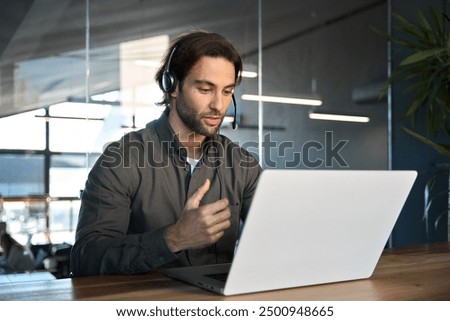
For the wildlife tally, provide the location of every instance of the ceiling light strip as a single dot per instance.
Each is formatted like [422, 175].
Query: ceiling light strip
[283, 100]
[339, 117]
[249, 74]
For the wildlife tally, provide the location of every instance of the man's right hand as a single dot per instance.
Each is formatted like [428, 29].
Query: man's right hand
[199, 226]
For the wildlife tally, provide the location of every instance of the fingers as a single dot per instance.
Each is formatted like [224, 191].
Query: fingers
[196, 198]
[215, 232]
[216, 207]
[194, 201]
[197, 229]
[213, 220]
[220, 226]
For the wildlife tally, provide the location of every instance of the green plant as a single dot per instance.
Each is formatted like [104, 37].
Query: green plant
[427, 70]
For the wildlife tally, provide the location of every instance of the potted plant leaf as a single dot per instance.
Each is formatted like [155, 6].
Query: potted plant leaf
[427, 69]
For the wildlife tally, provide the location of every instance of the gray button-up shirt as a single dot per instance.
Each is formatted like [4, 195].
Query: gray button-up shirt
[139, 186]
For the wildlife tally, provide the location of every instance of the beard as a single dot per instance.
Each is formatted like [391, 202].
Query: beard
[193, 120]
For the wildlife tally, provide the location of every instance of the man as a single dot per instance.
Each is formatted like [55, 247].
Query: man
[176, 192]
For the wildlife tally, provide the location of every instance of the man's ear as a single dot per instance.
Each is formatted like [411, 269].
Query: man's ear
[174, 94]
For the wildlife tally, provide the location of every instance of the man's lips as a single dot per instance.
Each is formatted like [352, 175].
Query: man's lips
[213, 120]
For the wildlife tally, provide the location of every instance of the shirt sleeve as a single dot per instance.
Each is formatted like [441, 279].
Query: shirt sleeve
[102, 245]
[252, 173]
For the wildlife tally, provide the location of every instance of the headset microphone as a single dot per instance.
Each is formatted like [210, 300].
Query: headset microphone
[234, 123]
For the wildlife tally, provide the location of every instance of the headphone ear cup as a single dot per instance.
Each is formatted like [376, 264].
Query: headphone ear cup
[168, 81]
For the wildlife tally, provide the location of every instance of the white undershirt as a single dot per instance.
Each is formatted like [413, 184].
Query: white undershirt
[193, 162]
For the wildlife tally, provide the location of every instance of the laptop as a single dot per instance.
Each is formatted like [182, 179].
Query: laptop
[309, 227]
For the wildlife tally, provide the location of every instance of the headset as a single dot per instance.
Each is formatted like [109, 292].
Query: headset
[169, 80]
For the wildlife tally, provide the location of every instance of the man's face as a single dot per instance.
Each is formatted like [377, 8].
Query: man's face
[205, 95]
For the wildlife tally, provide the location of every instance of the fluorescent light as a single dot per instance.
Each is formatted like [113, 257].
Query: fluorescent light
[339, 117]
[48, 118]
[110, 96]
[283, 100]
[227, 120]
[249, 74]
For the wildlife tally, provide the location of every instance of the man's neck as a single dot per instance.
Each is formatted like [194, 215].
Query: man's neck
[192, 142]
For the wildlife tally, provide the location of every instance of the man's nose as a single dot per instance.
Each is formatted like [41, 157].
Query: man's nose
[218, 102]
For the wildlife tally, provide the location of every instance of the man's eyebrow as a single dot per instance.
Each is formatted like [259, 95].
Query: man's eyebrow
[209, 83]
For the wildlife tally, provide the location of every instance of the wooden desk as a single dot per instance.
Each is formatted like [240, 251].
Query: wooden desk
[413, 273]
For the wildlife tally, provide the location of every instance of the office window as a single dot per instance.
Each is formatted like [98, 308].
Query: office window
[24, 131]
[62, 221]
[68, 173]
[21, 175]
[41, 220]
[24, 218]
[76, 127]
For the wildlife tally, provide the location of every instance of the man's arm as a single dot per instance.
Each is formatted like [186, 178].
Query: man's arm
[102, 245]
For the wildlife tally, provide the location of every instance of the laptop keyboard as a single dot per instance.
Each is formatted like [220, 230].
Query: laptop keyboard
[218, 276]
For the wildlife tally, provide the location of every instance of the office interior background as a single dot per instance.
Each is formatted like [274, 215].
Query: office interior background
[78, 74]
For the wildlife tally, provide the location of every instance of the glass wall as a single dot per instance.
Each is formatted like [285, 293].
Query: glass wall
[76, 79]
